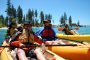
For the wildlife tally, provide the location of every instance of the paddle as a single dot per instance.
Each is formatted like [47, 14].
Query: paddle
[60, 28]
[41, 45]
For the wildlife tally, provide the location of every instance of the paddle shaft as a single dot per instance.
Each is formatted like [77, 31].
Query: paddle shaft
[41, 45]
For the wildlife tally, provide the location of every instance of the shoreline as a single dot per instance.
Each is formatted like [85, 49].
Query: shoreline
[4, 28]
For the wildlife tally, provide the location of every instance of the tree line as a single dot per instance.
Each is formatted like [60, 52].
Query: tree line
[16, 15]
[64, 20]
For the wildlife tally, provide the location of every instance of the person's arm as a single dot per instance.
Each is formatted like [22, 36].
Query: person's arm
[54, 34]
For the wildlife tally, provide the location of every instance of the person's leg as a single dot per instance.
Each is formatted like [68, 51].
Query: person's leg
[57, 42]
[21, 54]
[39, 54]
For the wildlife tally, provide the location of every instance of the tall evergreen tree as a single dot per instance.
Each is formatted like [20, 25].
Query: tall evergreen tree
[29, 15]
[49, 16]
[33, 17]
[6, 21]
[13, 12]
[2, 23]
[9, 10]
[78, 23]
[70, 21]
[36, 14]
[65, 17]
[46, 16]
[36, 21]
[41, 17]
[33, 13]
[62, 20]
[19, 14]
[24, 19]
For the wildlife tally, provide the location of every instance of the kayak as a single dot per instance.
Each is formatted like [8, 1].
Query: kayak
[71, 53]
[74, 37]
[6, 55]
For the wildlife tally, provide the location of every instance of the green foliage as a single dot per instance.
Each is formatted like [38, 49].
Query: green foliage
[48, 16]
[29, 15]
[41, 17]
[24, 18]
[13, 12]
[19, 14]
[65, 16]
[62, 20]
[36, 13]
[78, 23]
[2, 22]
[70, 21]
[6, 21]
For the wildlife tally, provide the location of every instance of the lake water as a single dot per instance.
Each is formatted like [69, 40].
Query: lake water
[82, 30]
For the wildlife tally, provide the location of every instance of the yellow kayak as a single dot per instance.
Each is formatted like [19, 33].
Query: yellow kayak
[6, 55]
[71, 53]
[74, 37]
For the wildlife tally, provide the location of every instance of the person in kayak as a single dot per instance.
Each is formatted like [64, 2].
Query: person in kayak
[47, 33]
[68, 31]
[26, 38]
[11, 29]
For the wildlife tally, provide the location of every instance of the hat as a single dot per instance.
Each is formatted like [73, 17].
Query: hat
[45, 21]
[27, 22]
[12, 24]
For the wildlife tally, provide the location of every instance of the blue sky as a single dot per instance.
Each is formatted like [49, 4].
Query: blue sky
[78, 9]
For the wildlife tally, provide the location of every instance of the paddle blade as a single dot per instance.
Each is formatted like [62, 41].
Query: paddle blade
[77, 28]
[60, 29]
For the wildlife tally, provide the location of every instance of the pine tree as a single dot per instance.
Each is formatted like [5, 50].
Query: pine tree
[62, 20]
[41, 17]
[6, 21]
[36, 13]
[46, 16]
[29, 15]
[36, 21]
[33, 17]
[9, 10]
[2, 23]
[78, 23]
[65, 18]
[24, 19]
[70, 21]
[19, 14]
[13, 12]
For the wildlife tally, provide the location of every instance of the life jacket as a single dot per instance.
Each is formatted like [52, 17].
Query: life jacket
[47, 33]
[24, 38]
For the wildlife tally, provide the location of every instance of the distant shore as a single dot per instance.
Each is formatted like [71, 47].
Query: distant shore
[4, 28]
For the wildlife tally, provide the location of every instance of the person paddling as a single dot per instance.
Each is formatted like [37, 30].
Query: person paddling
[68, 31]
[47, 33]
[11, 29]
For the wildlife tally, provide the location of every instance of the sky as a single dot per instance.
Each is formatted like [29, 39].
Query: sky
[78, 9]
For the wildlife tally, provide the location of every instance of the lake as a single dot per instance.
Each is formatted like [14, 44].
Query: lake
[82, 30]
